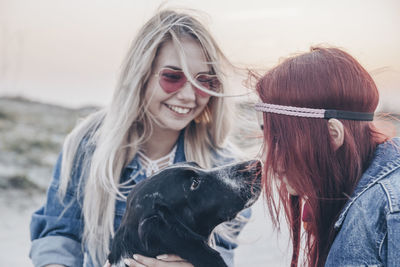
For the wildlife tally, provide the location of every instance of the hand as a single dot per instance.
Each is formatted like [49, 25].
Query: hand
[107, 264]
[161, 261]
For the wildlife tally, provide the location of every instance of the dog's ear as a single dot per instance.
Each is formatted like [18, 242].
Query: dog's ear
[152, 227]
[148, 231]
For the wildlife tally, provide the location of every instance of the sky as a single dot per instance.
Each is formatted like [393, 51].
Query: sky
[69, 52]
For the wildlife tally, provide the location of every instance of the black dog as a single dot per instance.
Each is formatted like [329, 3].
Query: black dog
[175, 211]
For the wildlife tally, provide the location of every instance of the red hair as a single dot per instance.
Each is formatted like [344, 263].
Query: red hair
[300, 149]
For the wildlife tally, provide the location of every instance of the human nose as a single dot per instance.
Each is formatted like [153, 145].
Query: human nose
[187, 92]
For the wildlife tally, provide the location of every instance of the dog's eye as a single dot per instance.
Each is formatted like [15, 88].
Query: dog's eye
[195, 184]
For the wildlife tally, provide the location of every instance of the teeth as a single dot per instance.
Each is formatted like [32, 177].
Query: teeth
[179, 110]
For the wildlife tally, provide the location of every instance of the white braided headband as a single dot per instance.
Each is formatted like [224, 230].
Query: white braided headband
[314, 112]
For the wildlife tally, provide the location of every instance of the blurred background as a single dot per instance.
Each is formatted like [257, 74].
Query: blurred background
[69, 52]
[60, 59]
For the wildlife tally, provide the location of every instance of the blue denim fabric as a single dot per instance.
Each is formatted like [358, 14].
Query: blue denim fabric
[369, 224]
[56, 233]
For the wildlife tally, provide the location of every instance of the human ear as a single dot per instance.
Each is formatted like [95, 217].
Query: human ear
[336, 131]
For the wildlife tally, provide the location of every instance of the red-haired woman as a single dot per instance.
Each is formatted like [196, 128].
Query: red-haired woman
[328, 162]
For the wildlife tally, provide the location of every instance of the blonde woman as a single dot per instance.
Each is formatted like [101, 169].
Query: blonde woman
[166, 109]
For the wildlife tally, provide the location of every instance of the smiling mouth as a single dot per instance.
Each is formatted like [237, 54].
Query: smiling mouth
[179, 110]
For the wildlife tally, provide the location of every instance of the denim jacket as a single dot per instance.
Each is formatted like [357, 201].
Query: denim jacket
[369, 224]
[56, 233]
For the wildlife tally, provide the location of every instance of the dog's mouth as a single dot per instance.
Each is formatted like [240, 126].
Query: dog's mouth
[253, 192]
[251, 201]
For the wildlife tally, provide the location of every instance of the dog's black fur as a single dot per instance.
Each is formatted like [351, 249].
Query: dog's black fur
[175, 211]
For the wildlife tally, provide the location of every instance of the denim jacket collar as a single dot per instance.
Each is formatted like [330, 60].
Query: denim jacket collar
[134, 164]
[382, 164]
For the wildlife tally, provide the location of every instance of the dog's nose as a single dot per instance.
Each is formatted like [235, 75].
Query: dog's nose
[248, 172]
[256, 165]
[253, 166]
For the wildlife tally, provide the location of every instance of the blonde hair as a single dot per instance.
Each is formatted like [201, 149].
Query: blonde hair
[117, 131]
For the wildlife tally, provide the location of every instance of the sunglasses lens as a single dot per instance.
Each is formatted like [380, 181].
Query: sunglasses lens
[171, 80]
[209, 82]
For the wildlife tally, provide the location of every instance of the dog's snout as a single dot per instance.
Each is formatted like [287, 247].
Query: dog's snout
[255, 165]
[252, 173]
[251, 170]
[244, 174]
